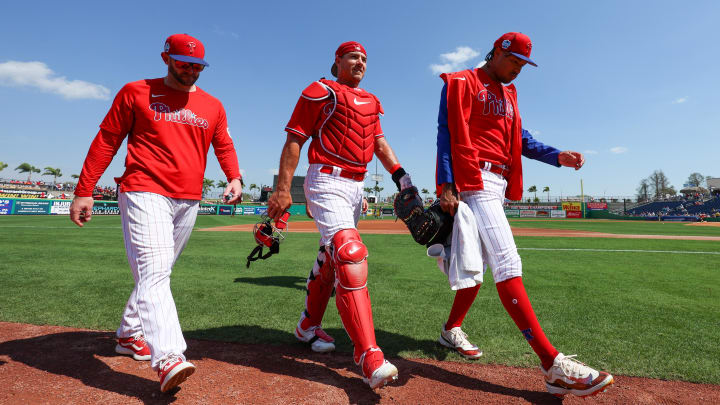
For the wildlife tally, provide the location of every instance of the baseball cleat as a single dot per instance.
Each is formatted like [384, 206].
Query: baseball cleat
[569, 376]
[135, 346]
[377, 372]
[319, 341]
[457, 340]
[173, 371]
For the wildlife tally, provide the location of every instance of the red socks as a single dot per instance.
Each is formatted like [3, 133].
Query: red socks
[464, 299]
[517, 304]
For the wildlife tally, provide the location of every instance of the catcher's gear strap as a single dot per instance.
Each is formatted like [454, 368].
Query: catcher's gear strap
[350, 256]
[268, 235]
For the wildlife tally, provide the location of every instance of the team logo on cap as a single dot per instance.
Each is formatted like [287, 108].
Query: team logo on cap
[191, 45]
[167, 46]
[505, 44]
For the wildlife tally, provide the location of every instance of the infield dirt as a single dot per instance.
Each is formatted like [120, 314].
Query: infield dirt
[58, 365]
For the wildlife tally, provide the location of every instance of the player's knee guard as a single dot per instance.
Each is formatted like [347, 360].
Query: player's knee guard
[349, 256]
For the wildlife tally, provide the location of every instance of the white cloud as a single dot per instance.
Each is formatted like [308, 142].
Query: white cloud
[590, 152]
[681, 100]
[273, 171]
[453, 60]
[40, 76]
[534, 132]
[242, 173]
[618, 149]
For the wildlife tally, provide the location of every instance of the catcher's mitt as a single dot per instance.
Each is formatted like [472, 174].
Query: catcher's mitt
[408, 204]
[431, 226]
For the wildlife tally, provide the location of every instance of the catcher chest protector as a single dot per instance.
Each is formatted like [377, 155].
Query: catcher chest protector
[268, 235]
[348, 132]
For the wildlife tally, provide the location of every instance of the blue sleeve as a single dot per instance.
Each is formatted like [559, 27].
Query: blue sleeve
[444, 159]
[534, 149]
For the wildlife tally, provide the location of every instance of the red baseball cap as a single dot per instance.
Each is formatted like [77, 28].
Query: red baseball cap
[517, 44]
[350, 46]
[185, 48]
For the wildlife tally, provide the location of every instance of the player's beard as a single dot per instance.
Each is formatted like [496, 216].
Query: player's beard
[184, 78]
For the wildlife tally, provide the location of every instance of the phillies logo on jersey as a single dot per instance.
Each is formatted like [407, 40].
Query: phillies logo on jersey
[495, 105]
[181, 116]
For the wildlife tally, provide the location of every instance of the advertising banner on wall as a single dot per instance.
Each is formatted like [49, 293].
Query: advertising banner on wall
[572, 206]
[542, 214]
[512, 213]
[106, 208]
[31, 207]
[557, 214]
[206, 209]
[527, 213]
[6, 206]
[248, 211]
[225, 210]
[60, 208]
[260, 210]
[574, 214]
[597, 206]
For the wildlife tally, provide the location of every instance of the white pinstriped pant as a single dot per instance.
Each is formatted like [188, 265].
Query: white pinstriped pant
[498, 245]
[156, 229]
[333, 201]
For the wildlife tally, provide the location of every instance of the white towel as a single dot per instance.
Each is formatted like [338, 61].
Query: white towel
[461, 261]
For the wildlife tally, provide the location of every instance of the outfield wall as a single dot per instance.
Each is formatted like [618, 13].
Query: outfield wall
[35, 206]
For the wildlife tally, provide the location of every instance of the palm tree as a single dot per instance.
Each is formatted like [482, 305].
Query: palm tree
[3, 165]
[367, 190]
[75, 176]
[252, 187]
[27, 168]
[221, 184]
[424, 192]
[55, 172]
[207, 185]
[547, 190]
[533, 189]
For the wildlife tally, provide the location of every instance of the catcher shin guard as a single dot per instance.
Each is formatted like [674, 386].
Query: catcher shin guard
[320, 286]
[352, 298]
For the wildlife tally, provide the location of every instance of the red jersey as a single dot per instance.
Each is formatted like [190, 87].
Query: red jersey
[494, 113]
[349, 118]
[170, 133]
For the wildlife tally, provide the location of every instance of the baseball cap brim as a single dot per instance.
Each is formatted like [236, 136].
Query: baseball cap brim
[189, 59]
[525, 58]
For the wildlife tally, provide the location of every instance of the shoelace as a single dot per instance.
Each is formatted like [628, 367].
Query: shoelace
[459, 337]
[171, 359]
[140, 338]
[570, 366]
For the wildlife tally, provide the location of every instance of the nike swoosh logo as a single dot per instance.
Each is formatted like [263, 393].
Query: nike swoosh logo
[360, 102]
[486, 84]
[459, 78]
[353, 250]
[157, 95]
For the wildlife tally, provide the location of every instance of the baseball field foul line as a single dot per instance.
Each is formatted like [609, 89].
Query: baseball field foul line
[623, 251]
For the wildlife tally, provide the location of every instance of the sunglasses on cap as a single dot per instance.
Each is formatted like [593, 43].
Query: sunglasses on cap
[187, 65]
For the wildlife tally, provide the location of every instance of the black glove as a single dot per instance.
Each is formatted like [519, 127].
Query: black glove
[431, 226]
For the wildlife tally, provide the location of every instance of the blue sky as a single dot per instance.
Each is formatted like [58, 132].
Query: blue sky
[632, 84]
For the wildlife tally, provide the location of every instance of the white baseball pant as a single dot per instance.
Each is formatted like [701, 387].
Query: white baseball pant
[333, 201]
[156, 229]
[498, 245]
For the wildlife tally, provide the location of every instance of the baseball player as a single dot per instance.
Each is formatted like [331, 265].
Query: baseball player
[480, 145]
[170, 124]
[343, 122]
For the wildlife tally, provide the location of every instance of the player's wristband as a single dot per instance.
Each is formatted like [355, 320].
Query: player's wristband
[397, 175]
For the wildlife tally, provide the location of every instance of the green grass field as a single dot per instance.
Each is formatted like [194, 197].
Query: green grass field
[635, 307]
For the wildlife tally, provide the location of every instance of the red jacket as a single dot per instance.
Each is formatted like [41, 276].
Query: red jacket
[462, 89]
